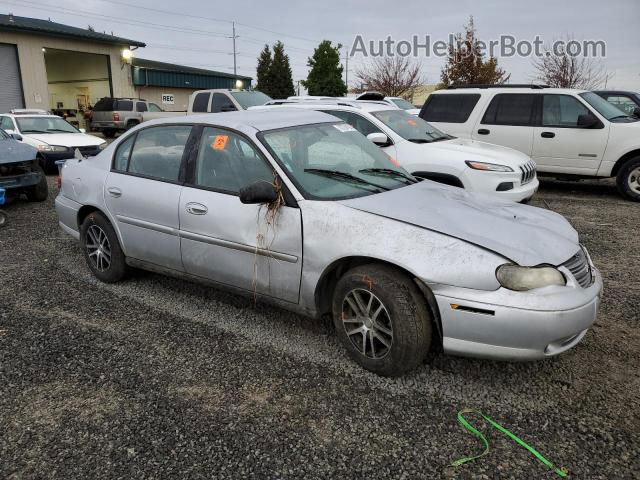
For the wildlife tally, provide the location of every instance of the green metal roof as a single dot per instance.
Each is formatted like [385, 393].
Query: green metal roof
[45, 27]
[159, 74]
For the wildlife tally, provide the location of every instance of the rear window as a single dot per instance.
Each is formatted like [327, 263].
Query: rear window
[104, 105]
[124, 106]
[201, 102]
[449, 108]
[511, 109]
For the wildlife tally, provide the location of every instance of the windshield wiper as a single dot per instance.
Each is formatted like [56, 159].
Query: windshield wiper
[59, 130]
[619, 116]
[440, 139]
[419, 140]
[34, 131]
[388, 171]
[345, 176]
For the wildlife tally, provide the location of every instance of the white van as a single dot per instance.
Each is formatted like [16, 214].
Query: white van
[568, 133]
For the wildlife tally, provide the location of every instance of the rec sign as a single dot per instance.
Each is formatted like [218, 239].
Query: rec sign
[168, 99]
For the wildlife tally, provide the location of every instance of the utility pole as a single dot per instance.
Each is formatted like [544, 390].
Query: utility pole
[234, 48]
[346, 69]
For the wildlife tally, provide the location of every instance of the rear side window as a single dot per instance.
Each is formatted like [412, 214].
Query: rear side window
[511, 109]
[449, 108]
[157, 152]
[201, 102]
[124, 106]
[121, 158]
[141, 107]
[222, 103]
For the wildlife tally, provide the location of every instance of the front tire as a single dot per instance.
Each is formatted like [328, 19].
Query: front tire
[382, 319]
[40, 191]
[628, 179]
[101, 247]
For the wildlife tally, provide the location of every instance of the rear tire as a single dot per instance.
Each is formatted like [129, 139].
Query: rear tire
[101, 248]
[628, 179]
[382, 319]
[109, 133]
[131, 124]
[3, 219]
[40, 191]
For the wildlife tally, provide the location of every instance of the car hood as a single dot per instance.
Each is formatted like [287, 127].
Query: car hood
[12, 151]
[526, 235]
[66, 139]
[481, 152]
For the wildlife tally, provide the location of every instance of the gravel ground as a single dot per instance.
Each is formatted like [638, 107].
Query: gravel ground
[159, 378]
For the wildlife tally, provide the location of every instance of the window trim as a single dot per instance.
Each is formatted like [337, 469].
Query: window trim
[541, 117]
[134, 135]
[534, 117]
[432, 96]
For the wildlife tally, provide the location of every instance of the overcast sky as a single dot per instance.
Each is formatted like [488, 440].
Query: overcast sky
[197, 32]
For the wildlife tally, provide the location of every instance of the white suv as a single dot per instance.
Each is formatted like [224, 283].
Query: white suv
[426, 152]
[568, 133]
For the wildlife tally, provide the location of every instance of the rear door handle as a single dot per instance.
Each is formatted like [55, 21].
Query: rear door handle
[114, 192]
[196, 208]
[483, 131]
[547, 134]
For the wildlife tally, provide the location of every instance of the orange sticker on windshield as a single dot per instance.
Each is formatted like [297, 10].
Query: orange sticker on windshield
[413, 123]
[394, 161]
[220, 142]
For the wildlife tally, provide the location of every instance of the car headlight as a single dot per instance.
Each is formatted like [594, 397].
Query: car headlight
[52, 148]
[520, 279]
[103, 145]
[489, 167]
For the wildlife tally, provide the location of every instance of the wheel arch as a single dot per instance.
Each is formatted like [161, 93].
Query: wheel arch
[623, 159]
[329, 278]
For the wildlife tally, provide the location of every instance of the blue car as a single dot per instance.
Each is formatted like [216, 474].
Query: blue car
[20, 171]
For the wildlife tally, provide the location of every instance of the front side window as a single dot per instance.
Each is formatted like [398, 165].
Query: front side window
[45, 125]
[410, 127]
[141, 107]
[154, 108]
[227, 162]
[4, 135]
[561, 111]
[402, 103]
[511, 109]
[157, 152]
[358, 122]
[201, 103]
[6, 123]
[250, 99]
[222, 103]
[449, 108]
[333, 161]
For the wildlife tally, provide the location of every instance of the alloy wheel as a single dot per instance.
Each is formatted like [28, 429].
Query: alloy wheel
[367, 323]
[98, 248]
[634, 180]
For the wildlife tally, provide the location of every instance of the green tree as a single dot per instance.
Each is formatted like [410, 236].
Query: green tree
[262, 70]
[280, 77]
[466, 64]
[325, 76]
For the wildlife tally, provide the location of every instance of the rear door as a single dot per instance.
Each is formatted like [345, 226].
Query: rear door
[508, 121]
[226, 241]
[142, 192]
[560, 145]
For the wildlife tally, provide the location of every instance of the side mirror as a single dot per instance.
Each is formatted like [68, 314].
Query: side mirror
[258, 192]
[588, 120]
[636, 112]
[82, 130]
[16, 136]
[379, 138]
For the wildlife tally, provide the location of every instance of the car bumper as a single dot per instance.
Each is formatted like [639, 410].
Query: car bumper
[67, 211]
[20, 181]
[508, 325]
[107, 125]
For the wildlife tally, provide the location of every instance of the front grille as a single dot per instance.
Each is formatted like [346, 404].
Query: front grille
[17, 168]
[527, 172]
[579, 267]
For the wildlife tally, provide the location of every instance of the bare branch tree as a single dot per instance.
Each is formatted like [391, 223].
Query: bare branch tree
[562, 70]
[391, 76]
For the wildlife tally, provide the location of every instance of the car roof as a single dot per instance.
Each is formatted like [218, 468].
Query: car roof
[360, 106]
[268, 118]
[30, 115]
[459, 90]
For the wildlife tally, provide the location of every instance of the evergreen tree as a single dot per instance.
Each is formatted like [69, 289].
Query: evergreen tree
[466, 64]
[325, 77]
[262, 71]
[280, 76]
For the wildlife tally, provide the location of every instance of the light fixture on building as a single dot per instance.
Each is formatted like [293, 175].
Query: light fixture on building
[127, 55]
[239, 83]
[44, 49]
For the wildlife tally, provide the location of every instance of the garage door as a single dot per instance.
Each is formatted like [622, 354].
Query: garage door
[10, 85]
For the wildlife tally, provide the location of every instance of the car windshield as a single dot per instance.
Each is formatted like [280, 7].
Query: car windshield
[44, 125]
[410, 127]
[402, 103]
[334, 161]
[603, 107]
[251, 99]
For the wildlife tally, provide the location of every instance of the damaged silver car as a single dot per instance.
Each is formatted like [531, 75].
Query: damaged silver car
[302, 210]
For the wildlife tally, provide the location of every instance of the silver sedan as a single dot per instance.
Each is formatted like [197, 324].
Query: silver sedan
[298, 208]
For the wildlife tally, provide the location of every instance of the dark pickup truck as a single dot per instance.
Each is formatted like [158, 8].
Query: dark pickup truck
[20, 171]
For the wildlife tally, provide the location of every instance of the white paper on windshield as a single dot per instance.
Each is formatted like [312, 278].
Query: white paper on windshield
[344, 127]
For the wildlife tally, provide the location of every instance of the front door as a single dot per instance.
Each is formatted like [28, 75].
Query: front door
[142, 192]
[246, 246]
[559, 145]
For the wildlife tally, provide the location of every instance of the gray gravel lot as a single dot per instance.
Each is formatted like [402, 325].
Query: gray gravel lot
[159, 378]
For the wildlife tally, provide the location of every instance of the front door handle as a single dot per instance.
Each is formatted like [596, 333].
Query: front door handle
[547, 134]
[114, 192]
[483, 131]
[196, 208]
